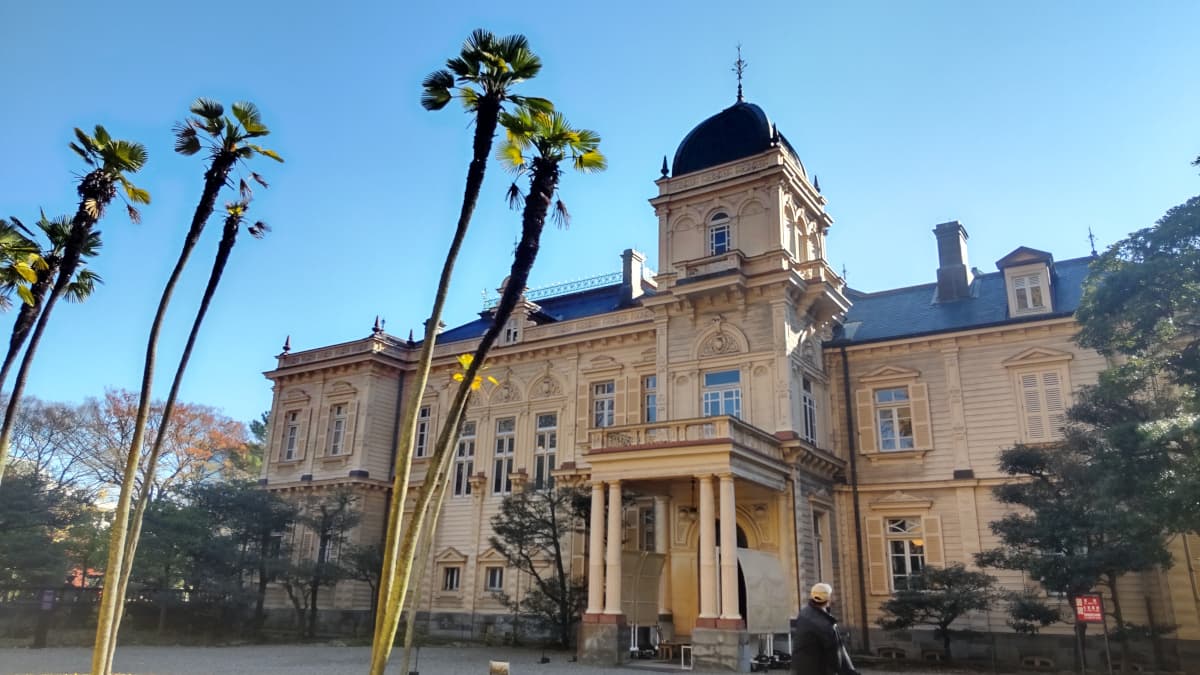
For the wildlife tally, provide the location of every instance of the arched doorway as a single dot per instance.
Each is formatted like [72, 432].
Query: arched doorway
[742, 542]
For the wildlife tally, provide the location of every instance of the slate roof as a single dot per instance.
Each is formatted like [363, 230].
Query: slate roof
[558, 308]
[912, 311]
[741, 130]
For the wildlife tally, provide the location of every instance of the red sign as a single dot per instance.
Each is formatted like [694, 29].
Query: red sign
[1089, 609]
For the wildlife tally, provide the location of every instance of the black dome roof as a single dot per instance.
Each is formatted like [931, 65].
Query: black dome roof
[741, 130]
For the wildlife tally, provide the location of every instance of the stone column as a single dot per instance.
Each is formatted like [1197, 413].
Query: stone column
[612, 561]
[708, 546]
[729, 584]
[595, 600]
[661, 519]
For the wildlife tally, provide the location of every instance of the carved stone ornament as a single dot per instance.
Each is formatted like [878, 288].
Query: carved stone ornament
[719, 343]
[507, 393]
[545, 388]
[809, 353]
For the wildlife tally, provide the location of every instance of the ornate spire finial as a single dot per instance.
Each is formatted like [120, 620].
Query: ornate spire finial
[410, 338]
[739, 67]
[1092, 239]
[287, 344]
[665, 171]
[816, 183]
[378, 328]
[843, 271]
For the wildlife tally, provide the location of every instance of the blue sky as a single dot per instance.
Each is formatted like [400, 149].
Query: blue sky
[1028, 121]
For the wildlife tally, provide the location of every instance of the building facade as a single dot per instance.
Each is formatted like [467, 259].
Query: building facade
[745, 424]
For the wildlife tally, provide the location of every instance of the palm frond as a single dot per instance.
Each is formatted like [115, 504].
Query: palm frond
[533, 103]
[469, 98]
[248, 114]
[125, 155]
[561, 216]
[464, 69]
[435, 90]
[102, 136]
[244, 189]
[259, 179]
[514, 196]
[258, 230]
[83, 286]
[91, 207]
[590, 162]
[480, 40]
[207, 108]
[510, 155]
[135, 193]
[266, 152]
[187, 142]
[82, 153]
[135, 216]
[23, 292]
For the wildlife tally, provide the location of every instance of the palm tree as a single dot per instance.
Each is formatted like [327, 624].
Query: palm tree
[110, 160]
[481, 77]
[228, 141]
[235, 215]
[57, 232]
[20, 262]
[536, 145]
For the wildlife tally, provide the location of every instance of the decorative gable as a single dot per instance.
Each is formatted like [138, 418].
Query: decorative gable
[451, 555]
[889, 373]
[1037, 356]
[902, 501]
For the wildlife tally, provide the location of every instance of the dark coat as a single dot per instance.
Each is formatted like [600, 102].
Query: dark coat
[816, 646]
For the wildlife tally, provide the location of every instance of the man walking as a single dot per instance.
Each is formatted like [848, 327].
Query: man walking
[817, 647]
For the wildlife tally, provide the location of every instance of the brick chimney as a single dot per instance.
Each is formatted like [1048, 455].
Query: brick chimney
[954, 274]
[633, 268]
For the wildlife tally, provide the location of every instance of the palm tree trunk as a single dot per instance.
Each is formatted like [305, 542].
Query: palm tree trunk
[214, 180]
[224, 249]
[72, 255]
[441, 478]
[26, 318]
[385, 626]
[537, 205]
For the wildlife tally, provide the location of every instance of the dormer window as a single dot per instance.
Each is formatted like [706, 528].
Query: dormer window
[512, 331]
[719, 240]
[1029, 294]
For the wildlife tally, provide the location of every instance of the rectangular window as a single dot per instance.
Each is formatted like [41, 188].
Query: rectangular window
[718, 239]
[512, 331]
[421, 448]
[809, 404]
[451, 576]
[291, 440]
[650, 398]
[1028, 291]
[337, 429]
[545, 451]
[722, 394]
[1044, 405]
[464, 460]
[506, 438]
[646, 537]
[818, 525]
[494, 579]
[604, 404]
[906, 550]
[893, 415]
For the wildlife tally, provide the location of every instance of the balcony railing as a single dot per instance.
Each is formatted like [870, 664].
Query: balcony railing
[677, 432]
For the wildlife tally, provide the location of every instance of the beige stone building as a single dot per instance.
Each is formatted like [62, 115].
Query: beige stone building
[764, 426]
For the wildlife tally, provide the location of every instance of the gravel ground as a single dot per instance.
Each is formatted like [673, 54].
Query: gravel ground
[296, 660]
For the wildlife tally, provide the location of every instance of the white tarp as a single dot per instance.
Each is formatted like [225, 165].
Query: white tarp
[640, 572]
[768, 598]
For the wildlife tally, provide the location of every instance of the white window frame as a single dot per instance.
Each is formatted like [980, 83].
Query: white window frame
[504, 454]
[1029, 293]
[512, 331]
[890, 413]
[464, 459]
[720, 234]
[451, 578]
[291, 436]
[819, 525]
[424, 426]
[604, 403]
[650, 398]
[337, 429]
[721, 398]
[808, 406]
[904, 547]
[1043, 408]
[493, 578]
[545, 450]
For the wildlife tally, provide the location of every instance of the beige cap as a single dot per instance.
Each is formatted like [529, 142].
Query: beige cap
[820, 593]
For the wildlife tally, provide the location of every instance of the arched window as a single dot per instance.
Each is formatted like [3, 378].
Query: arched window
[719, 236]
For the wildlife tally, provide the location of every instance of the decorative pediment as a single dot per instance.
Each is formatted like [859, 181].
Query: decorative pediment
[546, 387]
[885, 373]
[297, 395]
[1023, 255]
[648, 355]
[600, 364]
[507, 392]
[342, 387]
[901, 501]
[1037, 355]
[723, 338]
[492, 555]
[451, 555]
